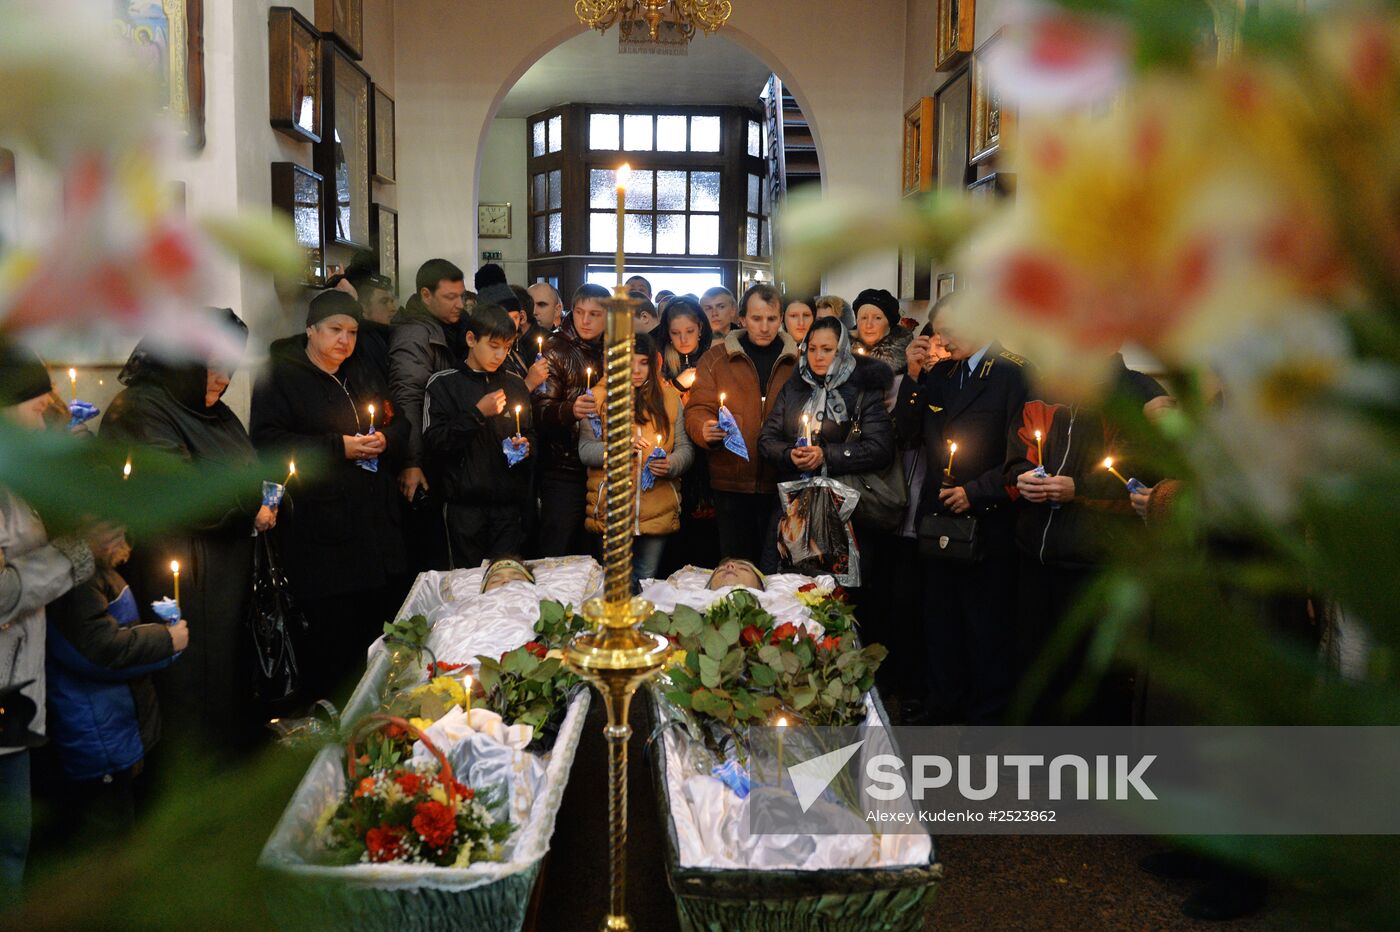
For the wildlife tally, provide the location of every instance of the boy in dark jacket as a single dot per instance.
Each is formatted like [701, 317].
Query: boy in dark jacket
[469, 417]
[103, 716]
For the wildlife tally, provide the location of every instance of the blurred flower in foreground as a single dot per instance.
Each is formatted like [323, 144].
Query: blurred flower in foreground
[1139, 226]
[1290, 413]
[1053, 60]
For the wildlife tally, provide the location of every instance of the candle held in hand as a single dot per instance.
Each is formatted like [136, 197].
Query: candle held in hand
[126, 468]
[721, 399]
[291, 471]
[517, 420]
[73, 381]
[175, 572]
[952, 448]
[588, 378]
[371, 417]
[1039, 453]
[1108, 464]
[806, 427]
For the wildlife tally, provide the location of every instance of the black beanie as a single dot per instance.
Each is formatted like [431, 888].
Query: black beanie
[882, 299]
[23, 376]
[488, 275]
[501, 295]
[329, 304]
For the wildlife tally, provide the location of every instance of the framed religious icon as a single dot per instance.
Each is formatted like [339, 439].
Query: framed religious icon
[343, 21]
[954, 32]
[990, 122]
[386, 242]
[918, 147]
[294, 74]
[382, 118]
[342, 155]
[944, 285]
[493, 221]
[299, 193]
[167, 39]
[952, 114]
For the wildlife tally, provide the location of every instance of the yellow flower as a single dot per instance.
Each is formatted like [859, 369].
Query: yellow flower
[438, 793]
[422, 724]
[677, 659]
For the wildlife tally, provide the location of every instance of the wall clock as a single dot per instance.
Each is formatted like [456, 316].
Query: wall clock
[493, 221]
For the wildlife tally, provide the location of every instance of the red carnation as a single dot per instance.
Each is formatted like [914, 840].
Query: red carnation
[435, 823]
[784, 632]
[365, 788]
[385, 844]
[807, 588]
[464, 792]
[751, 635]
[410, 783]
[538, 649]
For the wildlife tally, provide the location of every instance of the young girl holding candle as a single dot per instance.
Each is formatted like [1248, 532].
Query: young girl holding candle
[659, 424]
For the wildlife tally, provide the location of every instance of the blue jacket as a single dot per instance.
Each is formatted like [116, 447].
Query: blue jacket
[103, 715]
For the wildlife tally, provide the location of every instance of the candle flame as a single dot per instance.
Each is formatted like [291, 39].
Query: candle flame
[624, 175]
[1108, 462]
[292, 468]
[1037, 435]
[721, 399]
[72, 375]
[952, 447]
[371, 410]
[175, 567]
[126, 469]
[782, 721]
[658, 440]
[517, 409]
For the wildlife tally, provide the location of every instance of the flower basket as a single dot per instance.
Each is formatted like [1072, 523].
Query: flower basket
[488, 895]
[888, 899]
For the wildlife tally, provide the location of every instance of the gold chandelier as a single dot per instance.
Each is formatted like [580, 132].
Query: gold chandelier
[678, 17]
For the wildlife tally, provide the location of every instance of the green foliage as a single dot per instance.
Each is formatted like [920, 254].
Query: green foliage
[558, 624]
[411, 631]
[525, 688]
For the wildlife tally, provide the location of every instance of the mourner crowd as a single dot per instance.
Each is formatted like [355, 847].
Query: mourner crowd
[465, 426]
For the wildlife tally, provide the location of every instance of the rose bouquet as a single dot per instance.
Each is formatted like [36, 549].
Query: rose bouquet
[410, 815]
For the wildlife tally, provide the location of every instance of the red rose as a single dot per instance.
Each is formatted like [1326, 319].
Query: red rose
[751, 635]
[807, 588]
[385, 844]
[784, 632]
[829, 643]
[538, 649]
[435, 823]
[410, 783]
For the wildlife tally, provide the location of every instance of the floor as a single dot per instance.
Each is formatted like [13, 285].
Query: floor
[990, 882]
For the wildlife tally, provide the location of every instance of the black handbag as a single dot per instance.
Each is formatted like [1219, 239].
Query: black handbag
[950, 537]
[273, 619]
[884, 496]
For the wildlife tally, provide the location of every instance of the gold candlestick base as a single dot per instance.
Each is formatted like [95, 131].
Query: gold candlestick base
[616, 658]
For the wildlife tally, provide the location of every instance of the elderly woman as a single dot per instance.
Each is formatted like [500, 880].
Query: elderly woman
[878, 329]
[177, 407]
[798, 314]
[343, 548]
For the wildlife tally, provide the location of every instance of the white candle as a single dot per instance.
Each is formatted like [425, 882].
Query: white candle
[623, 175]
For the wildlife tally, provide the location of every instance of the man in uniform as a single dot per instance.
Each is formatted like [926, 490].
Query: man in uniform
[970, 399]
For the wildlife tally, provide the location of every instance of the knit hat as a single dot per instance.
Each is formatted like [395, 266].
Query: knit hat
[23, 376]
[882, 299]
[488, 275]
[330, 304]
[499, 294]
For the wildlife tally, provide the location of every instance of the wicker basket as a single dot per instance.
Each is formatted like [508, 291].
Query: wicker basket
[895, 899]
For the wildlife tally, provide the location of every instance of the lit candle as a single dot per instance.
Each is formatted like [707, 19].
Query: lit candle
[1039, 453]
[371, 417]
[658, 442]
[623, 175]
[126, 469]
[952, 448]
[175, 571]
[721, 399]
[469, 694]
[782, 724]
[861, 350]
[539, 346]
[291, 471]
[73, 381]
[806, 428]
[517, 420]
[1108, 464]
[588, 378]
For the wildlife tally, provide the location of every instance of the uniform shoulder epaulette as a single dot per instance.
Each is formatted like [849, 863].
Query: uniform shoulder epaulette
[1013, 358]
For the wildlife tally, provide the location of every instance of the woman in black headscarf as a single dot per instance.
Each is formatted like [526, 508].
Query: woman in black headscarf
[177, 407]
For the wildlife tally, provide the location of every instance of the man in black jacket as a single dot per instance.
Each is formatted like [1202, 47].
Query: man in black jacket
[469, 414]
[376, 296]
[970, 399]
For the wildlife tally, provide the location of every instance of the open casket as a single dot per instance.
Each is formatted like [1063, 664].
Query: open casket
[726, 879]
[490, 895]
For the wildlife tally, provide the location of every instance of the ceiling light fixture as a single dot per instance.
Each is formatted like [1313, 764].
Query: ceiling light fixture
[649, 18]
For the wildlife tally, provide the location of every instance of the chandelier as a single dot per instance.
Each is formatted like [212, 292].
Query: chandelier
[678, 18]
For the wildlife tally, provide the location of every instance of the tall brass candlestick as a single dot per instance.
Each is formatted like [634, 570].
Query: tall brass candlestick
[617, 656]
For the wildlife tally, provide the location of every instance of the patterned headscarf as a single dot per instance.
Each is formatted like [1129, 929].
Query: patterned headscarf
[825, 402]
[499, 565]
